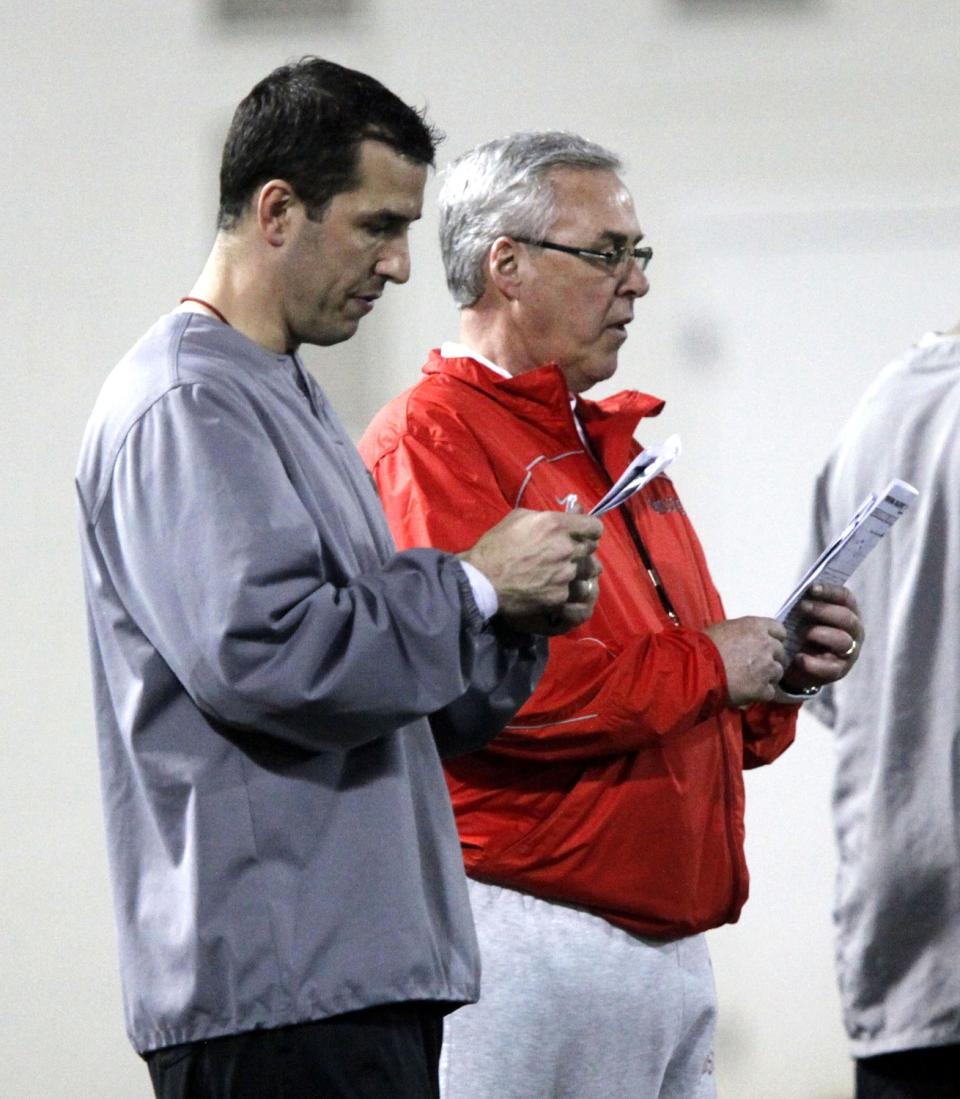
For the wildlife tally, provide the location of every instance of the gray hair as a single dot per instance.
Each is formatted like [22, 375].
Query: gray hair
[502, 188]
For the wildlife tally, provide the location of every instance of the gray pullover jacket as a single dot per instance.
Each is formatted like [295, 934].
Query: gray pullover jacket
[265, 666]
[896, 717]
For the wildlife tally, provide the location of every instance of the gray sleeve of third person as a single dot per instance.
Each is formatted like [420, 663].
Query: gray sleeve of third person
[219, 564]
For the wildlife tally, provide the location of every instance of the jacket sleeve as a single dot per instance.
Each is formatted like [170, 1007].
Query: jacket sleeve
[221, 568]
[442, 491]
[768, 731]
[507, 668]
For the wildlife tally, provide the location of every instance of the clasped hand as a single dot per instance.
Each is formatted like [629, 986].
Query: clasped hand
[542, 567]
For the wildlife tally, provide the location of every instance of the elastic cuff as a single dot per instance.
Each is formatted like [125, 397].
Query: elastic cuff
[801, 694]
[484, 593]
[475, 617]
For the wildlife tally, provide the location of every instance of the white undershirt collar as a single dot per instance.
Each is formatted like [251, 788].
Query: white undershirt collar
[450, 349]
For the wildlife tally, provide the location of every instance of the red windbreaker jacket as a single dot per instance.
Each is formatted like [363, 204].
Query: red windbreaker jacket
[618, 786]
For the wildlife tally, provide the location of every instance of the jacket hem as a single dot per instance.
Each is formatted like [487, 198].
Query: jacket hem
[184, 1035]
[928, 1039]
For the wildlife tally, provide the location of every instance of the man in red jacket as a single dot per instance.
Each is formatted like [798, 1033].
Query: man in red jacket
[603, 829]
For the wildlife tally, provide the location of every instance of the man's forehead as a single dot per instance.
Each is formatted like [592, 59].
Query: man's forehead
[389, 179]
[595, 200]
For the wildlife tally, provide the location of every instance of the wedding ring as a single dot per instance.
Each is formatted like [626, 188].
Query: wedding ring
[854, 644]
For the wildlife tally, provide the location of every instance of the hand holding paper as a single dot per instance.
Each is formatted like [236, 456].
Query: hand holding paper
[830, 639]
[870, 522]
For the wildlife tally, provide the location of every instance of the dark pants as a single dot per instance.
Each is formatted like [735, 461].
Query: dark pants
[388, 1052]
[932, 1073]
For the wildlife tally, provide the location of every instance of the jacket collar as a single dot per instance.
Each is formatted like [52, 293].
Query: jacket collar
[541, 398]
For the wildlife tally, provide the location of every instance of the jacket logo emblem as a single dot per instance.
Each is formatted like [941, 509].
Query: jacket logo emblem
[667, 504]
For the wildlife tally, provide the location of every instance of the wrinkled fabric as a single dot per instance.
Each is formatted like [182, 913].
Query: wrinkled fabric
[575, 1008]
[896, 717]
[281, 842]
[618, 787]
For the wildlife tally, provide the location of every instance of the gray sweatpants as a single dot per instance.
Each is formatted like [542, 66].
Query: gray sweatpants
[575, 1008]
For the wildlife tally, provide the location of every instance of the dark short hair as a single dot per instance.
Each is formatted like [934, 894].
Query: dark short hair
[304, 123]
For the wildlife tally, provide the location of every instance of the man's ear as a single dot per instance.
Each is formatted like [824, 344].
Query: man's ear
[274, 201]
[503, 266]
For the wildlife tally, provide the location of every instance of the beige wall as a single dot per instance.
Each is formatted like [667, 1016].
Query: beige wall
[795, 167]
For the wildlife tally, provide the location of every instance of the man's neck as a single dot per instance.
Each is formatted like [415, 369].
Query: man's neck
[489, 333]
[245, 298]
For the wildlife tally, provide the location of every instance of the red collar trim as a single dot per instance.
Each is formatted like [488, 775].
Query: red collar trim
[545, 386]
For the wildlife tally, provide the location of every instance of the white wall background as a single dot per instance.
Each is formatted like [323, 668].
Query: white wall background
[795, 166]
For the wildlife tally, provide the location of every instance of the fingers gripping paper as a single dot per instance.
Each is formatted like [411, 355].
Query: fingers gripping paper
[870, 522]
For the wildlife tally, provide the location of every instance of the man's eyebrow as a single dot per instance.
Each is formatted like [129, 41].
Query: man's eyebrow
[617, 239]
[391, 219]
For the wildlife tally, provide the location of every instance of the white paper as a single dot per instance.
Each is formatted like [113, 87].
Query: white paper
[870, 522]
[649, 463]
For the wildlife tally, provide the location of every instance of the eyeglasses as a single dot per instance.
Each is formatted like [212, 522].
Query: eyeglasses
[615, 261]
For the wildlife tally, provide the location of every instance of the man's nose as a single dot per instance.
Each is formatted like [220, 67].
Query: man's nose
[394, 261]
[634, 281]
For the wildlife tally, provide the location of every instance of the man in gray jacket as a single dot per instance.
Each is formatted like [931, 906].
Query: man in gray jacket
[273, 682]
[896, 724]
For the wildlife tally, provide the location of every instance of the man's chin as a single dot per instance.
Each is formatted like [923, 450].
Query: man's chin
[332, 333]
[592, 373]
